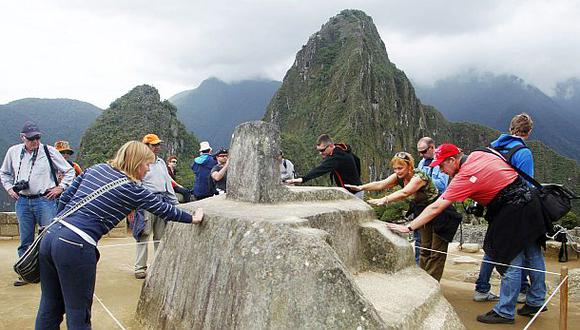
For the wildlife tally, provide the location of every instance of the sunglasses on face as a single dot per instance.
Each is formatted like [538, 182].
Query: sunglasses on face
[33, 138]
[424, 151]
[173, 162]
[323, 149]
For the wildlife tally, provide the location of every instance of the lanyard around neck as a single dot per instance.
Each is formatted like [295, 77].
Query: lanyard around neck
[34, 156]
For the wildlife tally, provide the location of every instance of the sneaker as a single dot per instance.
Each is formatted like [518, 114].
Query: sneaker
[485, 296]
[20, 282]
[492, 317]
[140, 274]
[521, 297]
[528, 310]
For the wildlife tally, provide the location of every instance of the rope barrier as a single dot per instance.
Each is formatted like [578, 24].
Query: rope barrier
[99, 300]
[109, 312]
[525, 268]
[572, 238]
[546, 303]
[490, 262]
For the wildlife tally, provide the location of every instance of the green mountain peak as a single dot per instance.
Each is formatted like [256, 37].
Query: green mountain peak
[342, 83]
[130, 117]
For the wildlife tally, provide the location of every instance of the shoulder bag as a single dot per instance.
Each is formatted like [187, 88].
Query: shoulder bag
[28, 265]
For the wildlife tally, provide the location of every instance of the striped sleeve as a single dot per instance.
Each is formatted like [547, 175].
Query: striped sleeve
[144, 199]
[68, 194]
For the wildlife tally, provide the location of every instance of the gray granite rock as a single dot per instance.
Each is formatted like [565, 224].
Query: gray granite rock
[274, 257]
[253, 173]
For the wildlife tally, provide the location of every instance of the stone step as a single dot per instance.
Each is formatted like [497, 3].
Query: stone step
[383, 250]
[408, 299]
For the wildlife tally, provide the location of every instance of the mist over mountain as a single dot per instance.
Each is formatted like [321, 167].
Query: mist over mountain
[493, 100]
[215, 108]
[567, 95]
[343, 83]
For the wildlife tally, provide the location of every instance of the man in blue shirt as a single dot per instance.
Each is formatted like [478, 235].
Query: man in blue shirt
[426, 148]
[202, 166]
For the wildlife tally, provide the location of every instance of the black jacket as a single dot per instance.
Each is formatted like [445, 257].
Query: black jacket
[342, 168]
[515, 220]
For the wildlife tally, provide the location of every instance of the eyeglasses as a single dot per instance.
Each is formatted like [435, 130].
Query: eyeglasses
[33, 138]
[402, 155]
[422, 152]
[173, 162]
[323, 149]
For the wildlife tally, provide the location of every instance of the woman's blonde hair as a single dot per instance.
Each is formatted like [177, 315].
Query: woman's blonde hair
[521, 124]
[130, 156]
[403, 158]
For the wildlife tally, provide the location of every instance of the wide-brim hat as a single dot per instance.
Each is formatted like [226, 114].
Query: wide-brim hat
[204, 145]
[63, 146]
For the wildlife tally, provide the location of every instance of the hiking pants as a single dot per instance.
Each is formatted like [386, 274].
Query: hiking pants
[432, 262]
[153, 225]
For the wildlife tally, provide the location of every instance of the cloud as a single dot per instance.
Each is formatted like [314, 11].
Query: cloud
[98, 50]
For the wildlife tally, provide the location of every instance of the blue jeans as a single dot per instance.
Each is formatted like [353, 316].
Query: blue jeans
[417, 236]
[482, 284]
[68, 267]
[31, 211]
[511, 282]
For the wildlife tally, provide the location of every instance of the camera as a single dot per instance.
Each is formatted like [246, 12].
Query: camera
[475, 208]
[20, 185]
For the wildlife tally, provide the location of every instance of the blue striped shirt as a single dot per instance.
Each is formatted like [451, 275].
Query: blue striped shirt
[103, 213]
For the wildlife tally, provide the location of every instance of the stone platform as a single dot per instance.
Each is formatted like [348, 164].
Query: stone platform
[301, 265]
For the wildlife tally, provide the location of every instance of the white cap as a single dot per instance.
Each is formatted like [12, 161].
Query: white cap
[204, 145]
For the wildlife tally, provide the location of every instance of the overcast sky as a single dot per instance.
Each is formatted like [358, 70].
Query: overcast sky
[96, 51]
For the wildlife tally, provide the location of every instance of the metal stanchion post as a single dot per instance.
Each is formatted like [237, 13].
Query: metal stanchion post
[564, 299]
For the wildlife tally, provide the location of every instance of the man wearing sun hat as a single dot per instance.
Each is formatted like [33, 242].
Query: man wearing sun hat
[516, 225]
[27, 177]
[202, 166]
[65, 150]
[159, 182]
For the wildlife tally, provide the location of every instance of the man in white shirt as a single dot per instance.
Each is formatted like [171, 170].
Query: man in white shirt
[158, 181]
[28, 174]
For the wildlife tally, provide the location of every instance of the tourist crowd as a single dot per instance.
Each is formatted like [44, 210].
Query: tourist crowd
[45, 184]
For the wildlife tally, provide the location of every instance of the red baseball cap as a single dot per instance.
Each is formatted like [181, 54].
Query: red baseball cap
[443, 152]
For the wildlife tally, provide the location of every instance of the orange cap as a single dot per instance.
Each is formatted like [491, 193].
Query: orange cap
[151, 139]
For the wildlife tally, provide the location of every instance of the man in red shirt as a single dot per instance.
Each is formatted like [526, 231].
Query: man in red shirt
[516, 226]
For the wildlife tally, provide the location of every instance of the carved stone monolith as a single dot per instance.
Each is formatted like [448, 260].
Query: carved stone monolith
[274, 257]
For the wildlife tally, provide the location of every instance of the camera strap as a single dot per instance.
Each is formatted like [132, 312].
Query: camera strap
[51, 165]
[34, 155]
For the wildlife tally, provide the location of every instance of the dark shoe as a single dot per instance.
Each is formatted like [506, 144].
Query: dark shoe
[492, 317]
[141, 274]
[20, 282]
[528, 310]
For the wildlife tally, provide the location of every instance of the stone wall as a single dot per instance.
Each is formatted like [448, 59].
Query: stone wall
[8, 225]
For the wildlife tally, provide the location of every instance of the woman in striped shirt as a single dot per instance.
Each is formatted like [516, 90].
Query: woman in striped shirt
[68, 252]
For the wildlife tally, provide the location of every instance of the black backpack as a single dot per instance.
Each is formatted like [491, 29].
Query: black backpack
[555, 198]
[510, 151]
